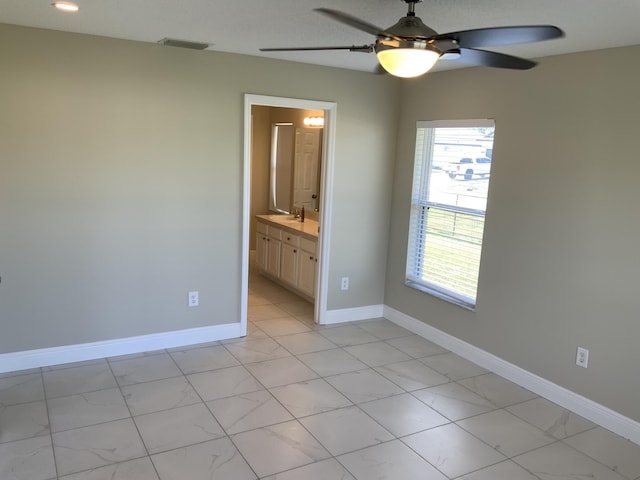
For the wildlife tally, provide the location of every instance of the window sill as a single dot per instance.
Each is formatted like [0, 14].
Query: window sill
[441, 295]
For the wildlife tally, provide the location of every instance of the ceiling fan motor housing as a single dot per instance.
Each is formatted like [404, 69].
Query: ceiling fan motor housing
[411, 32]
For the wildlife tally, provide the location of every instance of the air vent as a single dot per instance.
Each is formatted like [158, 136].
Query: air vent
[172, 42]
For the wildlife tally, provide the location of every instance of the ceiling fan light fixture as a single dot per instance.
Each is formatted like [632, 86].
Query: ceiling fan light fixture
[407, 62]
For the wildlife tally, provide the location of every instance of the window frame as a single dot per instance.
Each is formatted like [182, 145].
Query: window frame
[419, 212]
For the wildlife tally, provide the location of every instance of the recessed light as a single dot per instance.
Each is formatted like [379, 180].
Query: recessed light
[66, 6]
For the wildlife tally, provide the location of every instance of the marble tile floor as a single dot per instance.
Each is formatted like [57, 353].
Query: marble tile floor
[294, 400]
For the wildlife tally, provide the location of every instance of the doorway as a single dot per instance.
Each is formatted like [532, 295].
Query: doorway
[324, 204]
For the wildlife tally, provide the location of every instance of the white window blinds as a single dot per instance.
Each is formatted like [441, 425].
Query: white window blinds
[450, 185]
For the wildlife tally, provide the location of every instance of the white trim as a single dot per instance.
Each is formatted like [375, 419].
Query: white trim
[353, 314]
[462, 123]
[326, 195]
[578, 404]
[27, 359]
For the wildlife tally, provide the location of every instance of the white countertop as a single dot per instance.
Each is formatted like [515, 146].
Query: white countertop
[308, 227]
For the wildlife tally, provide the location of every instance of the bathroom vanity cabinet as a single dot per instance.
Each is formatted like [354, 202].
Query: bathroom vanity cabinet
[286, 252]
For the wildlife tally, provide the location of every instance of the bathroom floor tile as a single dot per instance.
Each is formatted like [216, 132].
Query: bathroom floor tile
[138, 469]
[278, 448]
[454, 401]
[202, 359]
[281, 371]
[560, 461]
[403, 414]
[391, 460]
[179, 427]
[507, 470]
[213, 460]
[195, 346]
[255, 300]
[384, 329]
[86, 363]
[377, 353]
[411, 375]
[248, 411]
[257, 313]
[258, 350]
[131, 356]
[505, 432]
[499, 391]
[25, 420]
[18, 373]
[29, 459]
[282, 326]
[87, 409]
[615, 452]
[348, 335]
[253, 333]
[328, 469]
[70, 381]
[91, 447]
[306, 342]
[452, 450]
[345, 430]
[159, 395]
[332, 362]
[225, 382]
[453, 366]
[551, 418]
[363, 385]
[310, 397]
[297, 307]
[145, 369]
[415, 346]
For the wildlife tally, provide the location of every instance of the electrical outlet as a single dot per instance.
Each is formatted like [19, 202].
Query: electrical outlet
[193, 299]
[582, 357]
[344, 285]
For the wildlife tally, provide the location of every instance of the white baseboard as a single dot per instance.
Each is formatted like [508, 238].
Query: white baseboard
[15, 361]
[578, 404]
[352, 314]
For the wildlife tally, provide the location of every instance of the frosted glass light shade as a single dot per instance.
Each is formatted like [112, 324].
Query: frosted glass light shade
[407, 62]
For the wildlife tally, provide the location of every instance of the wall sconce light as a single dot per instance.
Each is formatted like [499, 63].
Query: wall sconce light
[314, 121]
[66, 6]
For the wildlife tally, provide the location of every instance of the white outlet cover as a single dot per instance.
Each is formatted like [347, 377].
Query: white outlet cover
[582, 357]
[193, 299]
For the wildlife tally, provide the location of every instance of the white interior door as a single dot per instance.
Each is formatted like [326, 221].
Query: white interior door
[306, 161]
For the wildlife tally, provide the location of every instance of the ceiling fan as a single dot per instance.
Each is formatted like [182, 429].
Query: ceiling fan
[410, 48]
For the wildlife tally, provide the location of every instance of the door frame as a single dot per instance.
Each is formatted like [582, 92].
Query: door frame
[326, 196]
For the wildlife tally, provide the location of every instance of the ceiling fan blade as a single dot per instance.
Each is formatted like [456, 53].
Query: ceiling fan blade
[355, 22]
[485, 58]
[499, 36]
[351, 48]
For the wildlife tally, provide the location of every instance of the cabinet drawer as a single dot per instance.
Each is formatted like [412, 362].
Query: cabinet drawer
[308, 245]
[262, 228]
[275, 233]
[291, 239]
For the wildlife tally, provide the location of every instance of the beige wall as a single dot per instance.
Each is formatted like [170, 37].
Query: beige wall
[561, 251]
[121, 183]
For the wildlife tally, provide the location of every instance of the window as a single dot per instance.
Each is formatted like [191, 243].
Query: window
[451, 177]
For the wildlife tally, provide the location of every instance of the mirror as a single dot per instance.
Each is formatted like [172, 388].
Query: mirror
[289, 154]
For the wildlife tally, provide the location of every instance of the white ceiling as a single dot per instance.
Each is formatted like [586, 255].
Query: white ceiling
[245, 26]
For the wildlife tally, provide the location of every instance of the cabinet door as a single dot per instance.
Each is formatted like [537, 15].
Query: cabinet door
[261, 251]
[289, 264]
[307, 273]
[273, 256]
